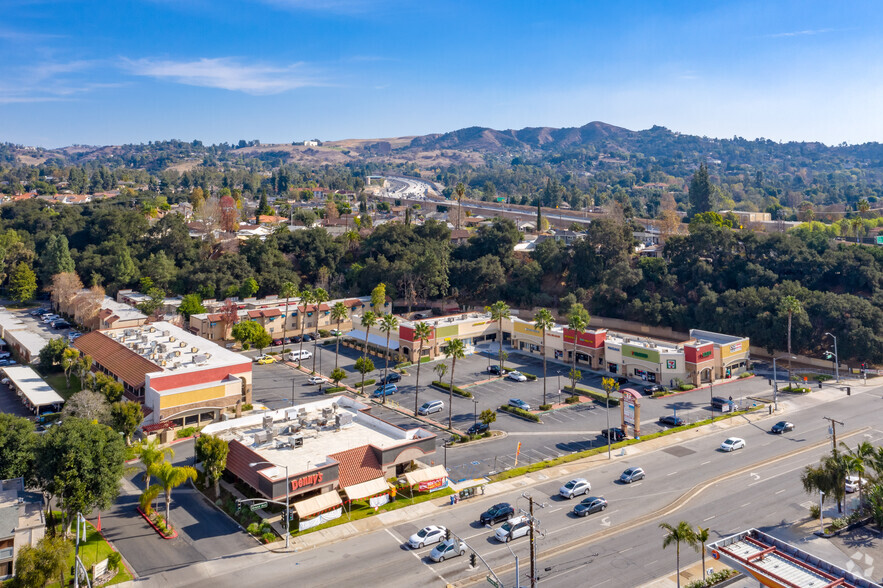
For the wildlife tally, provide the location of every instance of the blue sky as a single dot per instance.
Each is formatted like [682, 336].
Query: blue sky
[115, 71]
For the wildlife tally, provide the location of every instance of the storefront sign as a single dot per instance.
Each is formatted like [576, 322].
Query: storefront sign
[705, 354]
[671, 364]
[613, 348]
[736, 347]
[648, 355]
[306, 481]
[629, 414]
[432, 485]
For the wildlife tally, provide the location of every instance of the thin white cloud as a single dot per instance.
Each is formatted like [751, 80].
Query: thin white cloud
[225, 73]
[804, 33]
[48, 81]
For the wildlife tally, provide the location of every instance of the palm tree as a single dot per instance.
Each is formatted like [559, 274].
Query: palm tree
[544, 321]
[150, 455]
[338, 312]
[460, 190]
[456, 350]
[422, 332]
[681, 533]
[388, 323]
[578, 320]
[499, 310]
[701, 536]
[306, 297]
[169, 477]
[858, 461]
[610, 385]
[320, 296]
[369, 319]
[790, 305]
[289, 291]
[828, 477]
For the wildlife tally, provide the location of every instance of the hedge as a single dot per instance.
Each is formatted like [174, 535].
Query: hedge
[530, 377]
[367, 383]
[457, 390]
[520, 412]
[334, 389]
[597, 396]
[686, 387]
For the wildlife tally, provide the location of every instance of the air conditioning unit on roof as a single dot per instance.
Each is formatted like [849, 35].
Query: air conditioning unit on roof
[182, 344]
[153, 329]
[177, 354]
[171, 339]
[194, 349]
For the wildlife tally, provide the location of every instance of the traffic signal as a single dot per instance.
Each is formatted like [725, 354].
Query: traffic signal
[472, 560]
[864, 366]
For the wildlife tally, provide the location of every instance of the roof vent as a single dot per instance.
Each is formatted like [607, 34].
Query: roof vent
[153, 329]
[171, 339]
[182, 344]
[194, 349]
[177, 354]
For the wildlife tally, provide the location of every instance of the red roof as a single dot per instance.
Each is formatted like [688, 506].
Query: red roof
[254, 314]
[356, 465]
[118, 359]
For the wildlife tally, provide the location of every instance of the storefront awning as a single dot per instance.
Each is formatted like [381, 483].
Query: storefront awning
[374, 339]
[366, 489]
[426, 474]
[313, 506]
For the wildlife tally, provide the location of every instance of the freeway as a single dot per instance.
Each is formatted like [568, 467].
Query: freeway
[687, 479]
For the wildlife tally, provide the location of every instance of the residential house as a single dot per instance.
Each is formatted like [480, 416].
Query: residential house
[21, 522]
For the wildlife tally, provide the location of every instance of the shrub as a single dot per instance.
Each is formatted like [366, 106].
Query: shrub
[185, 432]
[545, 407]
[824, 377]
[597, 396]
[522, 413]
[815, 511]
[685, 387]
[746, 375]
[457, 390]
[114, 560]
[571, 400]
[324, 333]
[403, 365]
[247, 407]
[367, 383]
[530, 377]
[334, 389]
[266, 528]
[662, 393]
[254, 529]
[425, 359]
[268, 537]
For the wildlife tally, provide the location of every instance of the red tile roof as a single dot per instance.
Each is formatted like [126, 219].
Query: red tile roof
[254, 314]
[238, 459]
[118, 359]
[270, 312]
[356, 465]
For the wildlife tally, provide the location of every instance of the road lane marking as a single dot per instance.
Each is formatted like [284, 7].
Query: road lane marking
[671, 474]
[709, 518]
[780, 491]
[705, 462]
[624, 550]
[420, 559]
[744, 505]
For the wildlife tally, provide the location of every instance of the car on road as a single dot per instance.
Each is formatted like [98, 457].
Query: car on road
[652, 389]
[426, 536]
[316, 380]
[632, 475]
[264, 359]
[782, 427]
[852, 483]
[575, 487]
[732, 444]
[478, 429]
[616, 434]
[336, 333]
[589, 505]
[431, 407]
[496, 370]
[672, 421]
[513, 529]
[447, 549]
[516, 376]
[299, 354]
[498, 512]
[389, 378]
[518, 403]
[387, 390]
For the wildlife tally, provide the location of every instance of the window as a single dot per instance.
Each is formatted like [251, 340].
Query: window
[192, 420]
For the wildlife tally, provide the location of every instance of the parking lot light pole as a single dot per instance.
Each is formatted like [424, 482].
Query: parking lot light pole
[475, 411]
[836, 358]
[287, 498]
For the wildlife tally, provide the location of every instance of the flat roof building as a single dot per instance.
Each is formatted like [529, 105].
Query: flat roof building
[21, 522]
[35, 393]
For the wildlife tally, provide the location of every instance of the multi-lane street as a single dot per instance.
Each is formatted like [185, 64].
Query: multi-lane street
[687, 479]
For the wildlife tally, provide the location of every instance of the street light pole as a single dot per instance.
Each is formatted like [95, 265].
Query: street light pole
[475, 411]
[287, 498]
[821, 522]
[836, 358]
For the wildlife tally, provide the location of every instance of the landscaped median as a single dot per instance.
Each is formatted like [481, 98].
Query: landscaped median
[447, 388]
[597, 396]
[520, 412]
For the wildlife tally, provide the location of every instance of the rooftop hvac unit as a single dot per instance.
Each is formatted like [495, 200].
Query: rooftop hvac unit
[267, 421]
[199, 359]
[182, 344]
[296, 440]
[153, 344]
[166, 333]
[129, 332]
[164, 362]
[208, 356]
[153, 329]
[145, 338]
[171, 339]
[177, 354]
[290, 413]
[194, 350]
[177, 364]
[327, 412]
[343, 419]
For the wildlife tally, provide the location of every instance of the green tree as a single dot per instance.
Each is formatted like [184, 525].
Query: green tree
[378, 298]
[337, 374]
[388, 324]
[22, 283]
[338, 313]
[701, 192]
[80, 465]
[543, 321]
[456, 350]
[123, 272]
[859, 461]
[422, 332]
[125, 417]
[18, 442]
[169, 477]
[52, 353]
[262, 340]
[289, 291]
[191, 304]
[306, 298]
[460, 191]
[157, 300]
[212, 452]
[828, 477]
[364, 365]
[499, 310]
[247, 332]
[609, 385]
[577, 320]
[682, 533]
[487, 416]
[701, 536]
[320, 296]
[248, 288]
[369, 319]
[539, 215]
[38, 565]
[56, 258]
[790, 305]
[107, 387]
[150, 454]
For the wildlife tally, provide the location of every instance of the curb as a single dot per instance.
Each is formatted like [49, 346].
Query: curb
[155, 528]
[502, 435]
[225, 513]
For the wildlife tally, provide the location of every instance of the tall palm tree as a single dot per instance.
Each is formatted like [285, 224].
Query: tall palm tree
[859, 461]
[577, 320]
[306, 298]
[422, 332]
[338, 312]
[170, 476]
[499, 310]
[790, 305]
[682, 533]
[701, 536]
[828, 477]
[289, 291]
[460, 191]
[543, 321]
[388, 323]
[150, 455]
[320, 296]
[456, 350]
[369, 319]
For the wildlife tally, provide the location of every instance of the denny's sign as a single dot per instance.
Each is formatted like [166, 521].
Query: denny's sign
[306, 481]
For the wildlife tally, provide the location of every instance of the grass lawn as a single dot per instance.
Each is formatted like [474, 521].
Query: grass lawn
[58, 382]
[93, 550]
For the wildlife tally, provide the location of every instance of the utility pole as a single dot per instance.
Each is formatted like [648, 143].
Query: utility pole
[711, 392]
[533, 554]
[834, 424]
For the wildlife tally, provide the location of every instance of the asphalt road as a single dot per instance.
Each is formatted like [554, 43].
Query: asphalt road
[755, 487]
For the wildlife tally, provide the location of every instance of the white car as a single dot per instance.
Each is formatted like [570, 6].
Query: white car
[316, 380]
[426, 535]
[575, 487]
[732, 444]
[298, 354]
[447, 549]
[513, 529]
[517, 376]
[852, 483]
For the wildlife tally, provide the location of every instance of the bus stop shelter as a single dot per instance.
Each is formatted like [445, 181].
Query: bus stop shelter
[35, 393]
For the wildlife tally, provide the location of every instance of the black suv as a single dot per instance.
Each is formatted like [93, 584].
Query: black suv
[497, 513]
[652, 388]
[478, 429]
[672, 421]
[719, 401]
[389, 379]
[616, 434]
[495, 370]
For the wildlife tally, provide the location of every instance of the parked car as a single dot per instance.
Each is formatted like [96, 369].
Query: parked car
[652, 389]
[61, 324]
[518, 403]
[299, 354]
[852, 483]
[447, 549]
[732, 444]
[389, 378]
[336, 333]
[316, 380]
[632, 475]
[431, 407]
[5, 355]
[589, 505]
[498, 512]
[387, 390]
[5, 381]
[721, 403]
[513, 529]
[496, 370]
[296, 339]
[782, 427]
[672, 421]
[478, 429]
[427, 536]
[308, 337]
[575, 487]
[516, 376]
[616, 434]
[622, 380]
[264, 359]
[277, 341]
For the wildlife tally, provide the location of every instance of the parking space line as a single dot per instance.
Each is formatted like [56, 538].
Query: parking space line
[420, 559]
